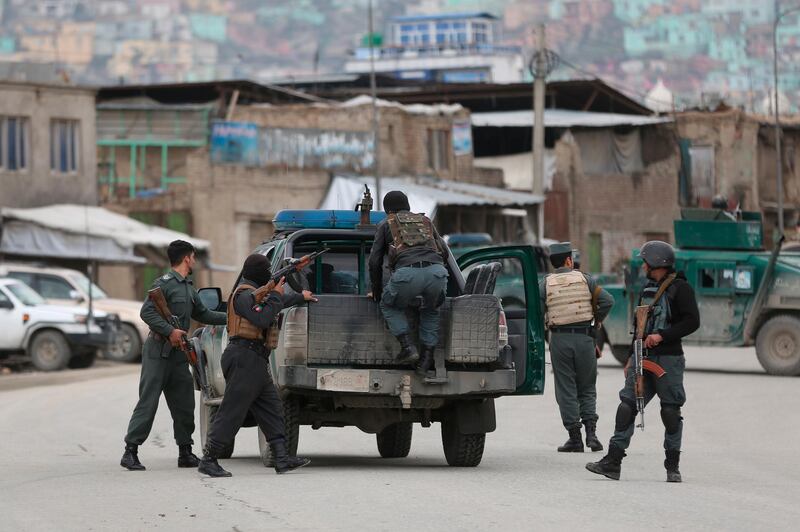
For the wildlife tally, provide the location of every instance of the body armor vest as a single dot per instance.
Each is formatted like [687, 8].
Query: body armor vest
[243, 328]
[568, 298]
[410, 230]
[660, 315]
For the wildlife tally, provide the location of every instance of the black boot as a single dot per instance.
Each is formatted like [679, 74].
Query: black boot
[408, 353]
[574, 444]
[130, 458]
[210, 466]
[610, 465]
[671, 465]
[186, 458]
[426, 360]
[591, 436]
[283, 462]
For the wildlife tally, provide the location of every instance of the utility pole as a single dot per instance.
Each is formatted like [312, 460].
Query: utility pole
[376, 167]
[539, 71]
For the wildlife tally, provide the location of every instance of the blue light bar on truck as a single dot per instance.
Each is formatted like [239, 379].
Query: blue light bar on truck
[314, 219]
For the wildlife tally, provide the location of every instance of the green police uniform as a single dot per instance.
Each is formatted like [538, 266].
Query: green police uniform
[165, 368]
[573, 357]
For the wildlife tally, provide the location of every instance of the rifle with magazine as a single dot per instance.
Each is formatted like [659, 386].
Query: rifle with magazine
[292, 265]
[157, 297]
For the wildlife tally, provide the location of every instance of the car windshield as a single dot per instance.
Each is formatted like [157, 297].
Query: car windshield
[26, 294]
[83, 283]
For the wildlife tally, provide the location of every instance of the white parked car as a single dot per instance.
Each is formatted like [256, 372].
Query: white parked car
[51, 336]
[63, 286]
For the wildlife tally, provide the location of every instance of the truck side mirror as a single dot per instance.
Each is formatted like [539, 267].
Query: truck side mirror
[211, 297]
[76, 296]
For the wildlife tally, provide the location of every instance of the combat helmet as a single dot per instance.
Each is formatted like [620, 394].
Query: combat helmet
[657, 254]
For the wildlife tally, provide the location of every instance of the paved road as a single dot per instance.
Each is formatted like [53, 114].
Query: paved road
[61, 443]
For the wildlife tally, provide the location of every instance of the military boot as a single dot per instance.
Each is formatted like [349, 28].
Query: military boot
[574, 444]
[671, 465]
[186, 458]
[591, 436]
[209, 465]
[426, 360]
[610, 465]
[130, 459]
[408, 353]
[283, 462]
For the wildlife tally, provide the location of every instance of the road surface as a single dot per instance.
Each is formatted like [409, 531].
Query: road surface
[62, 440]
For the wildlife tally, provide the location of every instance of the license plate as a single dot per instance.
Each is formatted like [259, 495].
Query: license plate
[343, 380]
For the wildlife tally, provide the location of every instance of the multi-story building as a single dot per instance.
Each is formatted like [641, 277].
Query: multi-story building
[669, 35]
[47, 145]
[750, 11]
[445, 47]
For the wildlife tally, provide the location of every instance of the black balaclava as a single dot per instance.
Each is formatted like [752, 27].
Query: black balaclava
[256, 268]
[395, 201]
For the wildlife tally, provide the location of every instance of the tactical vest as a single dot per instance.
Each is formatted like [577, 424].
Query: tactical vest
[568, 298]
[660, 316]
[410, 230]
[243, 328]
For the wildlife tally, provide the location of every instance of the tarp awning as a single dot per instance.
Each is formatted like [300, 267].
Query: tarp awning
[564, 118]
[518, 168]
[84, 233]
[425, 194]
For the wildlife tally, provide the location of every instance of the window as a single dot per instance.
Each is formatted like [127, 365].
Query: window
[703, 180]
[64, 137]
[438, 149]
[51, 287]
[716, 278]
[5, 301]
[14, 143]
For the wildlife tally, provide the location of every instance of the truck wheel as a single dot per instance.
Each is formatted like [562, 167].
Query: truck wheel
[49, 351]
[621, 353]
[291, 416]
[128, 345]
[207, 414]
[83, 360]
[778, 345]
[395, 440]
[461, 450]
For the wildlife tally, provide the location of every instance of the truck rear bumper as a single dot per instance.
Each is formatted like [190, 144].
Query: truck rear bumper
[395, 381]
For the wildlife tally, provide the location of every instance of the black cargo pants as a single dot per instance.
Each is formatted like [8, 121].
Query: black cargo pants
[248, 388]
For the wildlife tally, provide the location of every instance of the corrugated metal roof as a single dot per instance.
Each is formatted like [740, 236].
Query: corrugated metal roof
[564, 118]
[443, 16]
[425, 194]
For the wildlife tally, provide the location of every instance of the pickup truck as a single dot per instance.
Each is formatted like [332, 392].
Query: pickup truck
[334, 365]
[52, 337]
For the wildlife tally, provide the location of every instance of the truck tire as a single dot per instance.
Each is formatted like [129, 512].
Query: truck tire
[778, 345]
[621, 353]
[127, 348]
[207, 414]
[461, 450]
[291, 417]
[395, 440]
[49, 351]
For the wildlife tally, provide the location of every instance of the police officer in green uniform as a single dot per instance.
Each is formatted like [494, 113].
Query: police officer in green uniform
[164, 366]
[417, 256]
[673, 315]
[572, 302]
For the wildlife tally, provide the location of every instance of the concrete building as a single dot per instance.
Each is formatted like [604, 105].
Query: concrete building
[47, 145]
[456, 47]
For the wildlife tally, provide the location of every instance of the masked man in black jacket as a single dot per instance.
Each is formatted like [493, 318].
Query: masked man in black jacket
[673, 315]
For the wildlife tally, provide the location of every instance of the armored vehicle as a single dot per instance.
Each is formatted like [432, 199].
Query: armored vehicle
[746, 294]
[334, 364]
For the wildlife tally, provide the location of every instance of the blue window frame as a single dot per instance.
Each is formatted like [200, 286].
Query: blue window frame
[14, 143]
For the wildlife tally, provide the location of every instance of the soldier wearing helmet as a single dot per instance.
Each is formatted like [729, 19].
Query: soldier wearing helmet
[673, 315]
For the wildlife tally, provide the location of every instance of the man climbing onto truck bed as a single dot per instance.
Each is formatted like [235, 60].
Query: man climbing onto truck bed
[416, 258]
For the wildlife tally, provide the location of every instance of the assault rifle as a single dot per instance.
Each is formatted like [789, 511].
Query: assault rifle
[292, 265]
[640, 363]
[157, 297]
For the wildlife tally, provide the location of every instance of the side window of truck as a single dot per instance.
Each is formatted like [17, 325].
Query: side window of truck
[716, 278]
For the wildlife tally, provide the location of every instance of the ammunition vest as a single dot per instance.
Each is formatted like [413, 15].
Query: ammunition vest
[568, 298]
[660, 315]
[243, 328]
[410, 230]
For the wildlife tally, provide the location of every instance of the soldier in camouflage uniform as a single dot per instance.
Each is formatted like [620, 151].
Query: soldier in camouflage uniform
[164, 366]
[572, 301]
[417, 257]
